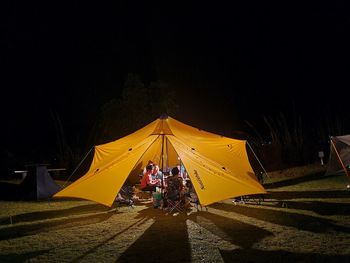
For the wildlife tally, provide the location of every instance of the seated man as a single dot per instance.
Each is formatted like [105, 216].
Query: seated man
[174, 197]
[147, 182]
[157, 174]
[174, 185]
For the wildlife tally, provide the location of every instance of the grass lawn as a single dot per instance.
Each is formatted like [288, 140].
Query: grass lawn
[303, 218]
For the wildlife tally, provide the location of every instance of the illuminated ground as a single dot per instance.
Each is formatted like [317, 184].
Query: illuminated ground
[304, 222]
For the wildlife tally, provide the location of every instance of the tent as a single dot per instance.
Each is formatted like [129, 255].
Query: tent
[339, 155]
[218, 166]
[38, 184]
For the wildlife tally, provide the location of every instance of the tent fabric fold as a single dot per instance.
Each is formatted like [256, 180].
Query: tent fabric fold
[218, 166]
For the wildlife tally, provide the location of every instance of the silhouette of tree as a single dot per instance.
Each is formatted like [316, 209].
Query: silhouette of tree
[137, 106]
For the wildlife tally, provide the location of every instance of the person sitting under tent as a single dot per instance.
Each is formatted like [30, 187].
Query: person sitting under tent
[191, 196]
[157, 174]
[145, 168]
[183, 173]
[174, 191]
[147, 182]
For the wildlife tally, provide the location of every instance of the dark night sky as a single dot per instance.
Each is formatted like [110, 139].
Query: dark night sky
[225, 61]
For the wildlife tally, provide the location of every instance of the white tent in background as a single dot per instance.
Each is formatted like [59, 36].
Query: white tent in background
[339, 155]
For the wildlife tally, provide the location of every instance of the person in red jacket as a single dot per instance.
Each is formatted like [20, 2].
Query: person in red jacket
[147, 183]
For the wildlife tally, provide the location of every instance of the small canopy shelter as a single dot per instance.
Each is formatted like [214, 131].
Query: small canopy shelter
[339, 155]
[38, 184]
[218, 166]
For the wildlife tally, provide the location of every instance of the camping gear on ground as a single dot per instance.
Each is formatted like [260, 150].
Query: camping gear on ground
[157, 199]
[218, 166]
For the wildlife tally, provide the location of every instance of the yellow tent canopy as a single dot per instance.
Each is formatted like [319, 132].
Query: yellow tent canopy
[218, 166]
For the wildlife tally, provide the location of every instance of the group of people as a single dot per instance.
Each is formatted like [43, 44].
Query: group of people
[171, 187]
[152, 178]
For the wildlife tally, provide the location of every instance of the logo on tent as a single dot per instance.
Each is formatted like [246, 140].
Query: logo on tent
[198, 179]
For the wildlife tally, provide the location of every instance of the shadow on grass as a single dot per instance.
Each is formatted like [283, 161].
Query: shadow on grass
[155, 244]
[24, 257]
[236, 232]
[321, 208]
[297, 180]
[307, 194]
[44, 215]
[33, 229]
[95, 248]
[283, 218]
[254, 255]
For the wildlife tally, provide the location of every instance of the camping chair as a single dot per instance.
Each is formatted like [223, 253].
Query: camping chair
[125, 196]
[174, 200]
[175, 204]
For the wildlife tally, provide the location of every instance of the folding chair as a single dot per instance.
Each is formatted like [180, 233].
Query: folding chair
[175, 204]
[125, 196]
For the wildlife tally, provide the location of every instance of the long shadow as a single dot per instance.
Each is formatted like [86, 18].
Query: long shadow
[237, 232]
[92, 250]
[321, 208]
[307, 194]
[44, 215]
[283, 218]
[254, 255]
[156, 245]
[33, 229]
[297, 180]
[24, 257]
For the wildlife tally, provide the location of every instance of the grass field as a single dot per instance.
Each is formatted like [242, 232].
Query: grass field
[302, 219]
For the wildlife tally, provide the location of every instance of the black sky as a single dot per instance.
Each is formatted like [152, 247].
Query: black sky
[242, 60]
